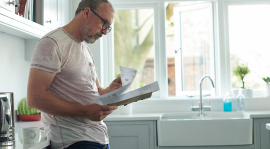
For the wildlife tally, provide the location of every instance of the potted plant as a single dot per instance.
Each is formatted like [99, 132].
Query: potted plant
[267, 80]
[26, 113]
[241, 71]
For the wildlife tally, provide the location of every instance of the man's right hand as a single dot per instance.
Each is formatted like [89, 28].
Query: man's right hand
[95, 112]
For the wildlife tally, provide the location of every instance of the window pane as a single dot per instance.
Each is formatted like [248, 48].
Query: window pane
[190, 52]
[133, 44]
[249, 36]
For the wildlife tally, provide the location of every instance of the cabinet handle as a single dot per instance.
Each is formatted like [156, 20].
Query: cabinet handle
[11, 3]
[49, 21]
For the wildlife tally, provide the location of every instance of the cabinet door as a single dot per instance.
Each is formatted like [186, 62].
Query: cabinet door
[5, 5]
[131, 135]
[261, 134]
[52, 13]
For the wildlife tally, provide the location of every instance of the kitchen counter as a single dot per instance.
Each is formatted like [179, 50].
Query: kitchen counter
[125, 117]
[156, 116]
[136, 117]
[258, 114]
[133, 117]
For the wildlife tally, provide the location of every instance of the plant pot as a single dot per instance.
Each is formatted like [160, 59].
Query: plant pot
[248, 93]
[267, 90]
[30, 117]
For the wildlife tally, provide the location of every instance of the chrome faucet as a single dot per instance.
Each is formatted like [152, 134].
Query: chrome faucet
[202, 108]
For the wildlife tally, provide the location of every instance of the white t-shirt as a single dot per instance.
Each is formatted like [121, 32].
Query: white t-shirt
[75, 81]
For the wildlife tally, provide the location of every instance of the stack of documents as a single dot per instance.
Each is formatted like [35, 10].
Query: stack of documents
[123, 96]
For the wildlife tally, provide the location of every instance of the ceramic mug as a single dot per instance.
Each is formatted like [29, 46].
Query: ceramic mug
[31, 135]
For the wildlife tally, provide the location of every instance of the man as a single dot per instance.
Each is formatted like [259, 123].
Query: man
[63, 80]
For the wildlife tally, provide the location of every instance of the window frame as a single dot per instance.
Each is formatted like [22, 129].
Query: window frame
[178, 59]
[221, 45]
[227, 38]
[108, 44]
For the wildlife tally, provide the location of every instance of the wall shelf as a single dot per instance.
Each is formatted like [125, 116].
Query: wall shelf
[21, 27]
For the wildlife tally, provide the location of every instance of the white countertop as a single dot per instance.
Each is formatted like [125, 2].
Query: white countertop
[137, 117]
[133, 117]
[258, 114]
[156, 116]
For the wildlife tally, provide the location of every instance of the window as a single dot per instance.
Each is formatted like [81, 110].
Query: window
[249, 36]
[187, 40]
[190, 52]
[134, 44]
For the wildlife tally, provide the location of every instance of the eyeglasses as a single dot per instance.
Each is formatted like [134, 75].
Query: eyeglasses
[106, 24]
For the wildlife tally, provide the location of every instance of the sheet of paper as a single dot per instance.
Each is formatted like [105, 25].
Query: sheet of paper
[114, 93]
[127, 79]
[127, 75]
[153, 87]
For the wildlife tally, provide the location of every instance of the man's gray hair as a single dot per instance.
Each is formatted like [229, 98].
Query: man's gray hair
[93, 4]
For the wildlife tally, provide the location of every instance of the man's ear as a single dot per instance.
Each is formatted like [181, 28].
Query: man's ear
[86, 13]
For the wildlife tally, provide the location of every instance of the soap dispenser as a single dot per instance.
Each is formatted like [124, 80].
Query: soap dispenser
[240, 101]
[227, 103]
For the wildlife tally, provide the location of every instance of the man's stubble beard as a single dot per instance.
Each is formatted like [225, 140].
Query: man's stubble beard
[89, 38]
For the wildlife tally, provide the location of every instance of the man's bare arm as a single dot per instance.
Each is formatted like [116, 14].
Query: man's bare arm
[39, 98]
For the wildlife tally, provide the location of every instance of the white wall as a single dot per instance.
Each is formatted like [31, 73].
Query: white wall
[14, 69]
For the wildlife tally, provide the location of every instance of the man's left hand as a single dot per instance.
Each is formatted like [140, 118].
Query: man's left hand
[115, 84]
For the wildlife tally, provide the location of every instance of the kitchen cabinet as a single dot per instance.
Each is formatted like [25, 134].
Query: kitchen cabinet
[142, 135]
[261, 134]
[132, 134]
[52, 13]
[55, 10]
[21, 27]
[56, 13]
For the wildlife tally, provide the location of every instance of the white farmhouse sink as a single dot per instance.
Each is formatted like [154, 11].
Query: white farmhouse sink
[215, 128]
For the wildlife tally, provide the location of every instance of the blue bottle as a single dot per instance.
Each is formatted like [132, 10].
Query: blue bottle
[227, 103]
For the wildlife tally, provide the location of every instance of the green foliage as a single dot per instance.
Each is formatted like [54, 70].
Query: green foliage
[118, 75]
[128, 53]
[267, 80]
[241, 71]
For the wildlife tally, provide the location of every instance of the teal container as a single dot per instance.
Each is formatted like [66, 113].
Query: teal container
[227, 103]
[227, 106]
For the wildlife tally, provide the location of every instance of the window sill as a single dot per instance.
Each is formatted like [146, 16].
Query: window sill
[204, 98]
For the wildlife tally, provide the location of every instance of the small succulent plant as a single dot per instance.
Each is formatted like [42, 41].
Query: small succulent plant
[241, 71]
[267, 80]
